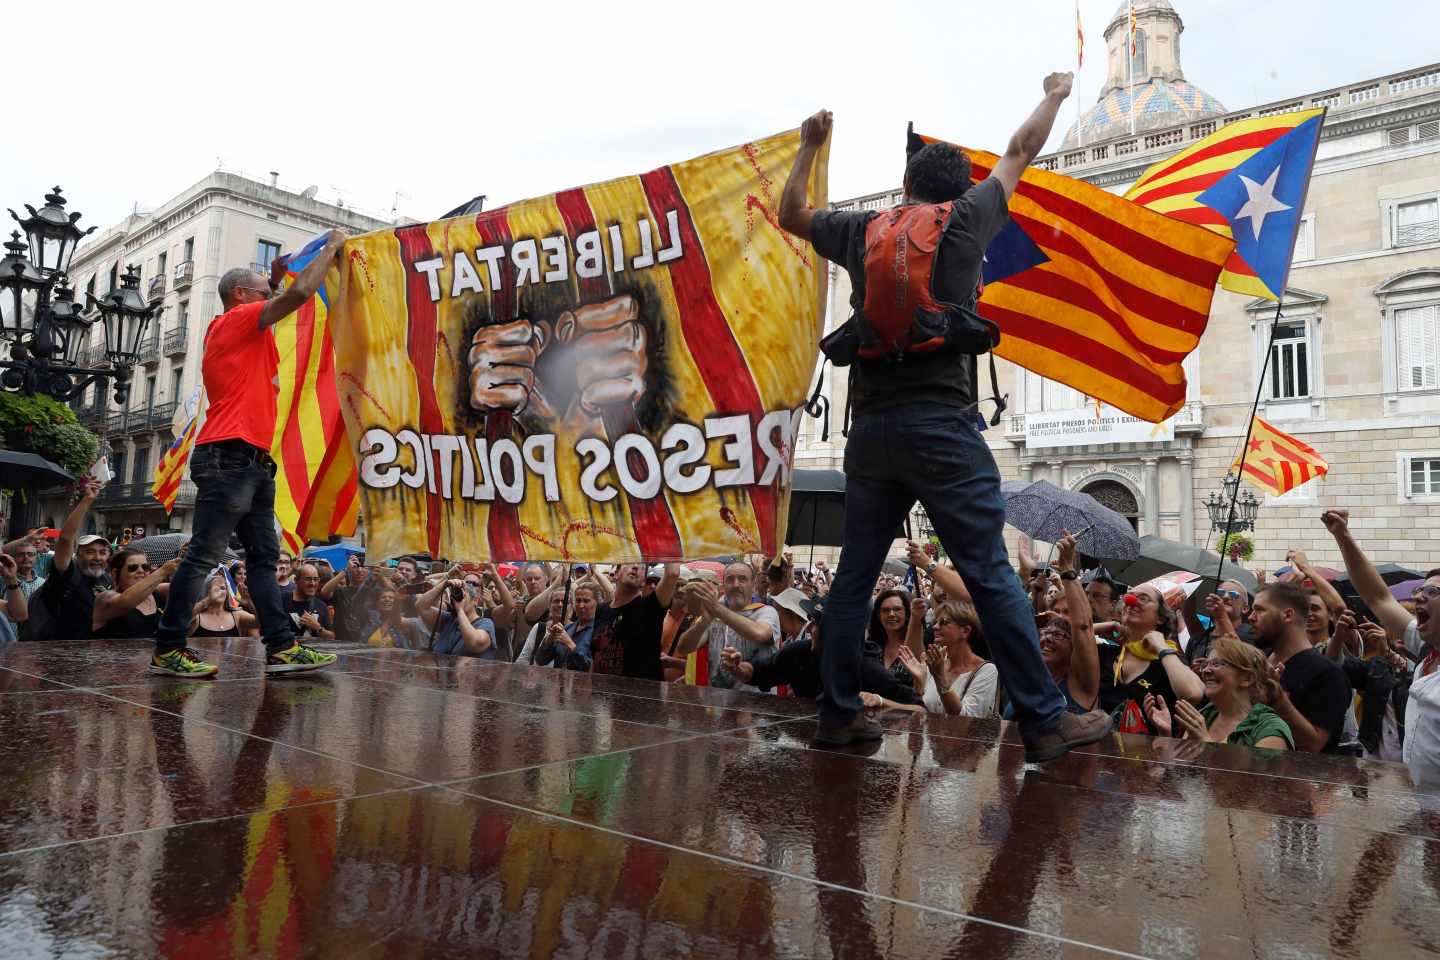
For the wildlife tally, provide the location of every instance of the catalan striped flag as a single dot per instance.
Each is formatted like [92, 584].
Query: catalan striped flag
[1079, 39]
[1247, 180]
[315, 479]
[1134, 31]
[1277, 462]
[189, 416]
[1098, 293]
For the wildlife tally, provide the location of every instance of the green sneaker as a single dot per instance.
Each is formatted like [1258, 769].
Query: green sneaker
[181, 663]
[298, 658]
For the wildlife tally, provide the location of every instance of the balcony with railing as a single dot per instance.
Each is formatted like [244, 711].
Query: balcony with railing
[156, 289]
[184, 274]
[138, 493]
[159, 416]
[177, 340]
[150, 346]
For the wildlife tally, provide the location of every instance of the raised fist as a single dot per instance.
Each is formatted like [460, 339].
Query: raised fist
[1058, 84]
[816, 128]
[608, 345]
[502, 365]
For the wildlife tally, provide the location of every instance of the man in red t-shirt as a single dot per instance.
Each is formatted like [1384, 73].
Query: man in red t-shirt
[233, 472]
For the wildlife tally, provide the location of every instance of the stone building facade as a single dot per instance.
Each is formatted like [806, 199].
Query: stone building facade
[1355, 368]
[183, 247]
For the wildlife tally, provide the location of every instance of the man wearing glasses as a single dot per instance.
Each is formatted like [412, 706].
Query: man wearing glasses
[233, 471]
[309, 613]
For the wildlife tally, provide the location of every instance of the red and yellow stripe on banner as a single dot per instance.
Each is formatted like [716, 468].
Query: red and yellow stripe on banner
[730, 323]
[1173, 185]
[1122, 300]
[316, 491]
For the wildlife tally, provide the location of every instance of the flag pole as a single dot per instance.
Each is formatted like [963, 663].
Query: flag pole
[1249, 430]
[1130, 63]
[1079, 63]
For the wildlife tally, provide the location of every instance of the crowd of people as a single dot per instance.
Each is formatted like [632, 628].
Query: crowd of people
[1293, 666]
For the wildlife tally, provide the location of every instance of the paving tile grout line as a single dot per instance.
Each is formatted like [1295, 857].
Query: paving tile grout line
[580, 713]
[1056, 938]
[204, 820]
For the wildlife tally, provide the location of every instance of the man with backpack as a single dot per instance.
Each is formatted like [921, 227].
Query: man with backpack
[914, 272]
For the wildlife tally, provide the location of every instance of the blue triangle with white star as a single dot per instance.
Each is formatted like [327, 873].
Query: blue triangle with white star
[1011, 252]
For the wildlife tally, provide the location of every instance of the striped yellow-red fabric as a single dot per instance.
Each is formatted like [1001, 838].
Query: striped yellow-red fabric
[1277, 462]
[315, 481]
[1121, 301]
[402, 358]
[1173, 185]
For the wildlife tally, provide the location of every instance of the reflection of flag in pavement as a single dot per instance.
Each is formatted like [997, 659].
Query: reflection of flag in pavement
[1098, 293]
[171, 468]
[1277, 462]
[1247, 180]
[315, 481]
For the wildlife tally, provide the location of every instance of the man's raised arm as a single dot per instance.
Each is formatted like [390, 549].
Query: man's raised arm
[1029, 140]
[795, 214]
[307, 282]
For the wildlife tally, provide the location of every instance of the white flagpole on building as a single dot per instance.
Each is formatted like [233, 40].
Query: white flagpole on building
[1130, 62]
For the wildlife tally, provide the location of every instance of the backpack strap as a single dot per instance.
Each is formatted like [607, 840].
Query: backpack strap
[819, 406]
[1001, 402]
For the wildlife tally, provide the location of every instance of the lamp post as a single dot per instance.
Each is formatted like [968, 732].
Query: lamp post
[1218, 506]
[44, 327]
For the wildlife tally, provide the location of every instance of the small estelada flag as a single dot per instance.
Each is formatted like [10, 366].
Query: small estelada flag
[1277, 462]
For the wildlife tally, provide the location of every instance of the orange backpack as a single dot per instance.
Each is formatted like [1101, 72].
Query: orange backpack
[900, 251]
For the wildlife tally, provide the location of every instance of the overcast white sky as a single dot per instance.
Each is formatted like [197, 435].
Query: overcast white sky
[132, 102]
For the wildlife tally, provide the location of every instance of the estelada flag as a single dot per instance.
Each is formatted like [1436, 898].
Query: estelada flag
[1247, 180]
[189, 417]
[1277, 462]
[610, 373]
[1096, 292]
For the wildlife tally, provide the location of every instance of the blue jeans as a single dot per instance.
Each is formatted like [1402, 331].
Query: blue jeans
[236, 495]
[932, 453]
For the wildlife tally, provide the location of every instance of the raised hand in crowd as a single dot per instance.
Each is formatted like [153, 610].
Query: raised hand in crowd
[937, 658]
[914, 667]
[1158, 714]
[1345, 638]
[1219, 614]
[555, 633]
[1191, 720]
[731, 660]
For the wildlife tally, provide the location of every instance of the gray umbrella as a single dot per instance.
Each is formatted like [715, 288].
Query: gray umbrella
[1159, 556]
[29, 471]
[1045, 511]
[163, 546]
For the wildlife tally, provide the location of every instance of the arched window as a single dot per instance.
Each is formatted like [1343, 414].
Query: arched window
[1137, 62]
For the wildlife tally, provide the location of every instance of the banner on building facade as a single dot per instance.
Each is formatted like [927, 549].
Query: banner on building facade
[609, 373]
[1089, 425]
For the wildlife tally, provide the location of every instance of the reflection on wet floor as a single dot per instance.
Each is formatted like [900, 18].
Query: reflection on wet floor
[409, 805]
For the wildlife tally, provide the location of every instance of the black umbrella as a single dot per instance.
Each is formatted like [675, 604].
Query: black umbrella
[1391, 573]
[164, 546]
[1159, 556]
[29, 471]
[1045, 511]
[817, 509]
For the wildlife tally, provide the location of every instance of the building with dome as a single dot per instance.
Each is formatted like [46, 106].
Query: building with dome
[1355, 367]
[1148, 91]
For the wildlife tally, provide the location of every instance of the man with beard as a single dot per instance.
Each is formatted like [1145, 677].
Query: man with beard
[1314, 692]
[732, 623]
[78, 574]
[626, 641]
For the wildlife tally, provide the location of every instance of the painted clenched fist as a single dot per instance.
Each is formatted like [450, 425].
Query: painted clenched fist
[604, 344]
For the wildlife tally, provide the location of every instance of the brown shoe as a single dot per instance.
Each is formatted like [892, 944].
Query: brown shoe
[862, 728]
[1073, 730]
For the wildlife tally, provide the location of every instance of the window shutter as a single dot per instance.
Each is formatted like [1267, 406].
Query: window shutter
[1429, 130]
[1409, 348]
[1417, 222]
[1399, 135]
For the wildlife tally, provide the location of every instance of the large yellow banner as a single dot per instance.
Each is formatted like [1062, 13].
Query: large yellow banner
[614, 372]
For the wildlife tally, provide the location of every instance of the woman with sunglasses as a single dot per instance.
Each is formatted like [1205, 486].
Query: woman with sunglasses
[132, 609]
[1147, 662]
[960, 683]
[1240, 689]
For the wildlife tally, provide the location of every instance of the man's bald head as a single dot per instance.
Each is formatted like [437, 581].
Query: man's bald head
[241, 278]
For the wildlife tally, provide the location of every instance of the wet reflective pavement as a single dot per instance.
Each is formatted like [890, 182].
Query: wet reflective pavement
[409, 805]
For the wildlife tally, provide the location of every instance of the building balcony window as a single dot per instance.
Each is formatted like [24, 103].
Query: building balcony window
[176, 341]
[184, 274]
[137, 494]
[150, 348]
[157, 287]
[160, 416]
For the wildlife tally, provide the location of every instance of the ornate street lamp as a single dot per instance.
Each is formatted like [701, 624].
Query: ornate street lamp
[43, 324]
[1247, 507]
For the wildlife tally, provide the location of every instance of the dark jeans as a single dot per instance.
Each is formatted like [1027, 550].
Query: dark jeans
[236, 495]
[932, 453]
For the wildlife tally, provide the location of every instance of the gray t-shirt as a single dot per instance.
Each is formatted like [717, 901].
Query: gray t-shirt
[942, 376]
[720, 636]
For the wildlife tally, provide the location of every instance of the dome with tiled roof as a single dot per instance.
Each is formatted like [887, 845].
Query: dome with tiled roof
[1152, 79]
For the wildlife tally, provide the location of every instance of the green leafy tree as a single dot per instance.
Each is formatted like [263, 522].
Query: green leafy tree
[40, 425]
